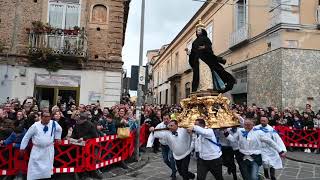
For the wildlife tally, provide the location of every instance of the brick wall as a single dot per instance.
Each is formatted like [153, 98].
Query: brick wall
[16, 16]
[104, 45]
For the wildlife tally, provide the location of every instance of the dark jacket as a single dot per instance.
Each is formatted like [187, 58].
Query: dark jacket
[110, 128]
[298, 124]
[15, 138]
[65, 127]
[86, 130]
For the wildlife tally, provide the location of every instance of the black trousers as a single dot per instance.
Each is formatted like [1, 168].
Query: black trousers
[156, 145]
[228, 160]
[214, 166]
[239, 158]
[183, 168]
[272, 175]
[212, 61]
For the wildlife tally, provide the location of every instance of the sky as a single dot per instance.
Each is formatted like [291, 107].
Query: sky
[164, 19]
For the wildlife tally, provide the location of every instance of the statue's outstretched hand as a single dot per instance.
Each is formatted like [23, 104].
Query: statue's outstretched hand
[187, 51]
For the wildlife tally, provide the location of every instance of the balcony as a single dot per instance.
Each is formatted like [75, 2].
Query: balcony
[62, 43]
[240, 36]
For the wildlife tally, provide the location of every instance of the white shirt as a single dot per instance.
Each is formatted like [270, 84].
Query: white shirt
[162, 126]
[234, 145]
[270, 156]
[223, 140]
[42, 153]
[252, 144]
[316, 123]
[207, 150]
[180, 144]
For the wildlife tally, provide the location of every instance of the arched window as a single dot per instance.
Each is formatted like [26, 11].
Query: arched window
[99, 14]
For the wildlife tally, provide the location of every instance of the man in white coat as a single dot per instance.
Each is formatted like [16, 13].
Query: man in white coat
[270, 157]
[165, 149]
[209, 150]
[179, 141]
[250, 146]
[43, 134]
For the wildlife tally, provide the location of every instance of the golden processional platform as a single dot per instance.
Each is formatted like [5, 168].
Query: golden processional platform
[207, 104]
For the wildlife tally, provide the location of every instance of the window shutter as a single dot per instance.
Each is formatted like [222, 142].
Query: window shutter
[56, 15]
[241, 15]
[318, 15]
[72, 16]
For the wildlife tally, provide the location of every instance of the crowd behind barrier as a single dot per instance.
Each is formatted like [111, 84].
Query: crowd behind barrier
[103, 147]
[70, 158]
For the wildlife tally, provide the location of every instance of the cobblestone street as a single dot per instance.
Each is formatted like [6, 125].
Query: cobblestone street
[156, 170]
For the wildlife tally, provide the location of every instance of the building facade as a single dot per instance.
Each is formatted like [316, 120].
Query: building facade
[270, 46]
[55, 49]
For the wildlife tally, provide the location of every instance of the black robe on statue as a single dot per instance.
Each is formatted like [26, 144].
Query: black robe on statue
[206, 55]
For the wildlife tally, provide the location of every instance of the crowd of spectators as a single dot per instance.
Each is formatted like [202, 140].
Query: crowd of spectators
[306, 119]
[83, 122]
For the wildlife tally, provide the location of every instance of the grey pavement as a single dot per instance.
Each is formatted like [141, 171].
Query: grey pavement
[157, 170]
[311, 158]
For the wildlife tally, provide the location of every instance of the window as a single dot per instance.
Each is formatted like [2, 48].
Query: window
[176, 62]
[64, 14]
[189, 47]
[158, 78]
[209, 30]
[168, 69]
[167, 93]
[241, 74]
[241, 8]
[318, 13]
[188, 89]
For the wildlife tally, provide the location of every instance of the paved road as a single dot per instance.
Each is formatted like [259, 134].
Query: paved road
[156, 170]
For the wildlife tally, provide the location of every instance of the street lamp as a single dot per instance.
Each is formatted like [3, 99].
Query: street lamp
[139, 93]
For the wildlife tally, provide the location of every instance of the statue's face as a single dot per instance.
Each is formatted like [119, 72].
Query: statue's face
[199, 31]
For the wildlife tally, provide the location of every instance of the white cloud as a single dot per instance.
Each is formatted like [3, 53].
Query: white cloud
[164, 19]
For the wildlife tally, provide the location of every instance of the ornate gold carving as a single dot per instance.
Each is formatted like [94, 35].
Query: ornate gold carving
[213, 109]
[200, 24]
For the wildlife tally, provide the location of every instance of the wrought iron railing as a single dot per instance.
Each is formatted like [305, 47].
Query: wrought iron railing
[60, 42]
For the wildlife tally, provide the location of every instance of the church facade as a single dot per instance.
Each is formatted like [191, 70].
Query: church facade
[270, 46]
[62, 49]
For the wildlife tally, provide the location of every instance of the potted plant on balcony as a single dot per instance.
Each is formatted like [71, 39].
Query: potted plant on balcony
[45, 58]
[67, 46]
[2, 47]
[28, 30]
[59, 31]
[37, 27]
[76, 30]
[47, 28]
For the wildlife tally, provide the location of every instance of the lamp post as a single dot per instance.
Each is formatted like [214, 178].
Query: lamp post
[139, 93]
